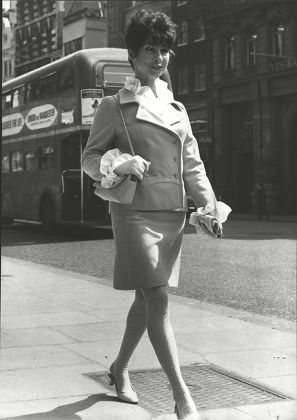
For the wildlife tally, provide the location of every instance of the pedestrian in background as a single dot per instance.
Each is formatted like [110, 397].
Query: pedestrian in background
[260, 194]
[148, 233]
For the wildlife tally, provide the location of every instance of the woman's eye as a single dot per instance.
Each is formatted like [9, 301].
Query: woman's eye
[164, 51]
[150, 48]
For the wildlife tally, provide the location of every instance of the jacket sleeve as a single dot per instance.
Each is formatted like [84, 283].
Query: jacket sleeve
[194, 174]
[101, 138]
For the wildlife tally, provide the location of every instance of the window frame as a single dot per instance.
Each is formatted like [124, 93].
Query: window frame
[197, 25]
[40, 154]
[198, 75]
[18, 169]
[23, 96]
[36, 168]
[229, 52]
[183, 75]
[183, 34]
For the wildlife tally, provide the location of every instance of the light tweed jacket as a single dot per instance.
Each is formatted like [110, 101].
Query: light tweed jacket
[170, 147]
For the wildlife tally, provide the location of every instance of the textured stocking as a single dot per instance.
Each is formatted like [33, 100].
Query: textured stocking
[162, 338]
[135, 327]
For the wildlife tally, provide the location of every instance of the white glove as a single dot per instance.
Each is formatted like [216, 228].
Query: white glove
[135, 166]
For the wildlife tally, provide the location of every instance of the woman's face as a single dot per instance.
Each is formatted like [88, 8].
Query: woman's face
[151, 62]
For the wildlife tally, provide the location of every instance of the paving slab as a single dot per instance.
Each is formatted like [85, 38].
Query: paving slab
[254, 364]
[275, 411]
[48, 382]
[230, 340]
[29, 337]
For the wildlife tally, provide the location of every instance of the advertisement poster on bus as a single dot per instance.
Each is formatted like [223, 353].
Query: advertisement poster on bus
[90, 99]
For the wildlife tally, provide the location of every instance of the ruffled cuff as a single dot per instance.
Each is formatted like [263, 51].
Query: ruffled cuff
[205, 217]
[109, 161]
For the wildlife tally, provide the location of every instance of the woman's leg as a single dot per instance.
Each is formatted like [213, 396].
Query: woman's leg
[162, 338]
[135, 327]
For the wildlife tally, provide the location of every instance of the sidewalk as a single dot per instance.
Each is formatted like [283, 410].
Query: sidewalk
[58, 325]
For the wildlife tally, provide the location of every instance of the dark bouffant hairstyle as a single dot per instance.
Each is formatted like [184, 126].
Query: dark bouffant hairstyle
[155, 27]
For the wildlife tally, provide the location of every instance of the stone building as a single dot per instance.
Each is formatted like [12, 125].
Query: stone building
[253, 96]
[48, 29]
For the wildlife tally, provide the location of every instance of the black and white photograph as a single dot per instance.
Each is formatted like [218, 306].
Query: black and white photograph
[148, 210]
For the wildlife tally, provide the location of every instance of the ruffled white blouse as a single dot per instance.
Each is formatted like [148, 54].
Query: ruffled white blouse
[144, 94]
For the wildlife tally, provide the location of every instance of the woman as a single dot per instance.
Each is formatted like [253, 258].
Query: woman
[148, 232]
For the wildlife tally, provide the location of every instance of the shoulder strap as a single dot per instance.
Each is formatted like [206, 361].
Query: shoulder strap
[125, 126]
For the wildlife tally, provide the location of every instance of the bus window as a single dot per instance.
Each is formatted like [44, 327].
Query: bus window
[48, 85]
[65, 79]
[18, 96]
[31, 160]
[113, 75]
[33, 90]
[6, 100]
[5, 163]
[46, 157]
[16, 161]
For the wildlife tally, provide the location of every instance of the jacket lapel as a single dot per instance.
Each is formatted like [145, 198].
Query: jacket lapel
[171, 117]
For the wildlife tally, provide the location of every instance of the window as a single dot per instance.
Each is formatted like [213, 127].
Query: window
[230, 53]
[46, 157]
[33, 90]
[200, 83]
[251, 48]
[114, 75]
[72, 46]
[5, 163]
[183, 79]
[199, 28]
[31, 160]
[48, 85]
[182, 33]
[6, 100]
[65, 79]
[279, 40]
[18, 96]
[17, 161]
[7, 68]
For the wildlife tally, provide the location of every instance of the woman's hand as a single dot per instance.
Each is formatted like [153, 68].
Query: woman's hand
[135, 166]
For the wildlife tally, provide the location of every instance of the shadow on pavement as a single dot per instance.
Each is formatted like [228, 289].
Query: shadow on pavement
[67, 411]
[18, 234]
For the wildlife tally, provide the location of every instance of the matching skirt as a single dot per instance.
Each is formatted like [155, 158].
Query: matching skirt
[147, 248]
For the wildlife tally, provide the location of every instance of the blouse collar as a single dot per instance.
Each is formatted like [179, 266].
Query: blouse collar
[134, 85]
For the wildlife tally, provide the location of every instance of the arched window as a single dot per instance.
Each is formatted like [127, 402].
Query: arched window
[251, 49]
[230, 53]
[279, 39]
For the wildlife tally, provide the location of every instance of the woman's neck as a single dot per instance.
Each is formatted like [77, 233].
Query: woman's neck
[151, 83]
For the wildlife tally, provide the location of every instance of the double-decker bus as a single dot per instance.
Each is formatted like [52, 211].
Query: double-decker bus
[46, 118]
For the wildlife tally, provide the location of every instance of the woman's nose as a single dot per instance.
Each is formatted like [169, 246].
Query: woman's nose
[158, 56]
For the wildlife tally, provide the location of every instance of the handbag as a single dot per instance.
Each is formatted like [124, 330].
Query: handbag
[123, 190]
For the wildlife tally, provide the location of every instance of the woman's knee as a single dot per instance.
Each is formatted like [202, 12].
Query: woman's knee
[156, 299]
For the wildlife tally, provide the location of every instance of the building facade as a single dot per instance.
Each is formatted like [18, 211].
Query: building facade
[46, 30]
[8, 45]
[253, 96]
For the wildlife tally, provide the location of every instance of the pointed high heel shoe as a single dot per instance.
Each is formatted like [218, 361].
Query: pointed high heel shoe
[129, 397]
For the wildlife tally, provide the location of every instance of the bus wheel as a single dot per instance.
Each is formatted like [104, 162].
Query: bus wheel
[47, 216]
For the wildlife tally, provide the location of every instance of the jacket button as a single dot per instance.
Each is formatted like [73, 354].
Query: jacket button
[175, 175]
[175, 159]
